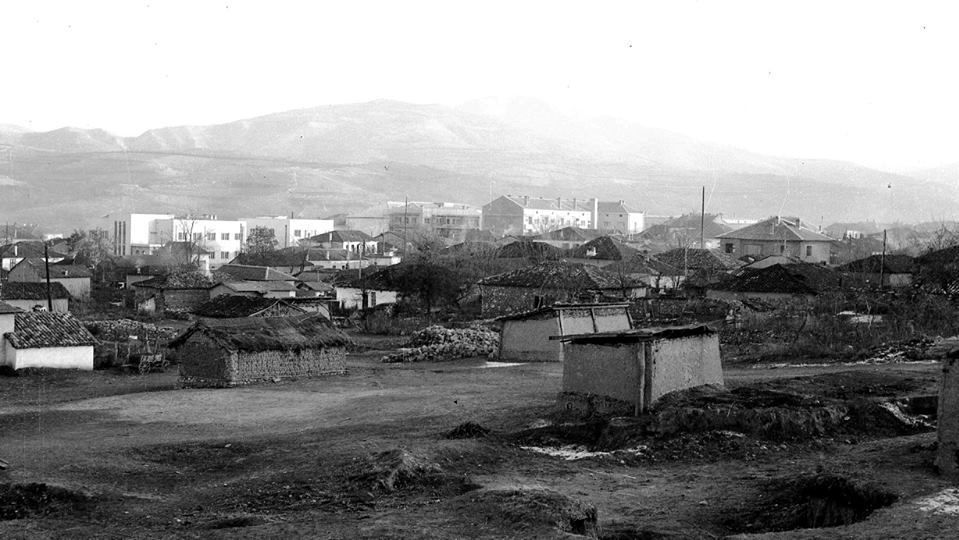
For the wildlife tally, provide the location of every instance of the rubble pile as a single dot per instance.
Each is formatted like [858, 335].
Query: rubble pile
[122, 329]
[908, 350]
[437, 344]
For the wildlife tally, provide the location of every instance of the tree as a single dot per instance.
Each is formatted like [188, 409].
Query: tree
[430, 282]
[261, 240]
[90, 248]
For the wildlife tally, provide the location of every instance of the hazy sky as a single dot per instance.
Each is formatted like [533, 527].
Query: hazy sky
[872, 82]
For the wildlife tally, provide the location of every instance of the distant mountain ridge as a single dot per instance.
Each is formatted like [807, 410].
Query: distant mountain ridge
[337, 158]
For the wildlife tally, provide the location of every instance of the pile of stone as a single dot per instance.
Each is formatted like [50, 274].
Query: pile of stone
[437, 344]
[125, 329]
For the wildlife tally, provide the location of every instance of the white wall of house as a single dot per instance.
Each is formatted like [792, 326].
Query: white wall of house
[8, 323]
[49, 357]
[224, 238]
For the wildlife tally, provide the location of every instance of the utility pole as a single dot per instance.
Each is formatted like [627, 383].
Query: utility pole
[406, 223]
[702, 222]
[882, 259]
[46, 266]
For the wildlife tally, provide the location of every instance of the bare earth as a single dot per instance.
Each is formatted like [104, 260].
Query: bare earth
[148, 460]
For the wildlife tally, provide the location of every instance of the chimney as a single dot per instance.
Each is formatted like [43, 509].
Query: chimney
[559, 203]
[525, 200]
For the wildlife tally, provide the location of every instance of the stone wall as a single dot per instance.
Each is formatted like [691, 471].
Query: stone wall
[268, 365]
[205, 364]
[947, 457]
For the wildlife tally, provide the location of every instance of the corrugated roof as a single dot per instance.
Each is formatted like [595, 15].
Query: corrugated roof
[37, 329]
[560, 275]
[17, 290]
[256, 334]
[639, 334]
[786, 229]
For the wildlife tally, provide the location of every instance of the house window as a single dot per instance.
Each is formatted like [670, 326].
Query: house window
[224, 254]
[181, 236]
[225, 236]
[809, 251]
[197, 237]
[297, 233]
[211, 236]
[782, 249]
[236, 236]
[529, 220]
[730, 248]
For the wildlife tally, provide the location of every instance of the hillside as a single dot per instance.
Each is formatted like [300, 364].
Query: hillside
[337, 158]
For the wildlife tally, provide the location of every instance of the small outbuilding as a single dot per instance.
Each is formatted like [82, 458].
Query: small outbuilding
[629, 371]
[232, 352]
[525, 337]
[47, 340]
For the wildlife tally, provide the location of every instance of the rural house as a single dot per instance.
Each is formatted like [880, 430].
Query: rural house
[778, 236]
[510, 214]
[176, 292]
[288, 260]
[618, 217]
[33, 296]
[601, 252]
[657, 275]
[75, 279]
[777, 282]
[47, 340]
[629, 371]
[567, 237]
[14, 252]
[363, 290]
[232, 352]
[550, 282]
[893, 270]
[525, 337]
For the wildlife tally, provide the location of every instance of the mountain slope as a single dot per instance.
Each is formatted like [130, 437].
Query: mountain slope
[338, 158]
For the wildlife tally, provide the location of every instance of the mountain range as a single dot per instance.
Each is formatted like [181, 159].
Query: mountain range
[343, 158]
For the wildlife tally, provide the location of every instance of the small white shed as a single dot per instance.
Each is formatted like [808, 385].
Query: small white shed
[637, 367]
[525, 337]
[48, 340]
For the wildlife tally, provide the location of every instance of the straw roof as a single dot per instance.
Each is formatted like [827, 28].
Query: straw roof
[259, 334]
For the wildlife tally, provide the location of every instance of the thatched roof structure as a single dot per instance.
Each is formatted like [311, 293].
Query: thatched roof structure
[267, 334]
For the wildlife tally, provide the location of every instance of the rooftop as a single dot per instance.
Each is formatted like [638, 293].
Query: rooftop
[257, 334]
[559, 275]
[57, 271]
[782, 229]
[244, 272]
[37, 329]
[230, 306]
[18, 290]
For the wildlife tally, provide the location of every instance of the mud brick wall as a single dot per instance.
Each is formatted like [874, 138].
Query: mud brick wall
[947, 458]
[203, 363]
[267, 365]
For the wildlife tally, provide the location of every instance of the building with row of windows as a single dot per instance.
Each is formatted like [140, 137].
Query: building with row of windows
[444, 220]
[526, 215]
[220, 239]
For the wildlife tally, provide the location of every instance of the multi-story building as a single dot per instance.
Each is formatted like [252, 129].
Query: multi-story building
[618, 217]
[289, 231]
[146, 234]
[447, 221]
[511, 214]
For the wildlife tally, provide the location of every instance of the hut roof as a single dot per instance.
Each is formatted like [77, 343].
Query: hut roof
[257, 334]
[604, 248]
[245, 272]
[709, 260]
[178, 280]
[230, 306]
[559, 275]
[37, 329]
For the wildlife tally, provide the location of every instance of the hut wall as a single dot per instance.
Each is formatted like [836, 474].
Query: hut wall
[268, 365]
[947, 457]
[680, 363]
[204, 363]
[527, 340]
[614, 371]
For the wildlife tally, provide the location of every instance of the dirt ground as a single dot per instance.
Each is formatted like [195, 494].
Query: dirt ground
[104, 455]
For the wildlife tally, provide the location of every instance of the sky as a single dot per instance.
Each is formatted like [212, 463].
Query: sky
[872, 82]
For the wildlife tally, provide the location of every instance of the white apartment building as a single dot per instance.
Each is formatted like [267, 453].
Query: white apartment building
[618, 217]
[145, 234]
[289, 231]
